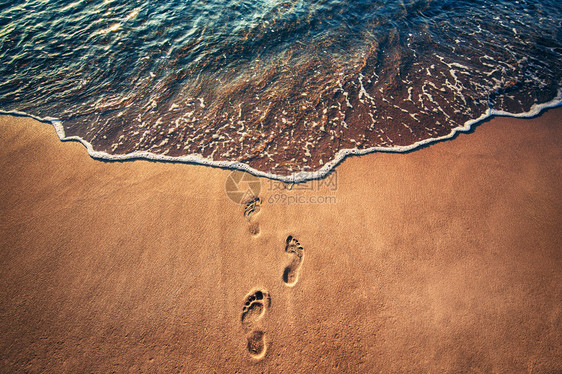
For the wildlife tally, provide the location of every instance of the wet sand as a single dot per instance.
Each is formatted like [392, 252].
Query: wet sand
[446, 259]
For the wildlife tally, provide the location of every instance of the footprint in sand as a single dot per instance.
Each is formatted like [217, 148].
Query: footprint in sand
[291, 272]
[255, 306]
[251, 209]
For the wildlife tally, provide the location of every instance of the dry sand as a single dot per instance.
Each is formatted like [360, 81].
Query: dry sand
[446, 259]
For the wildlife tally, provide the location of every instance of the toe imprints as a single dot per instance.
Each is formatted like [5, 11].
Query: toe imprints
[252, 207]
[254, 308]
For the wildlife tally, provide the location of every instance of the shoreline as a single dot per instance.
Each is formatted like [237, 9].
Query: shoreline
[301, 176]
[445, 259]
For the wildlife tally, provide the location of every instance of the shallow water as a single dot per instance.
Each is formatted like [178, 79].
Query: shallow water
[276, 87]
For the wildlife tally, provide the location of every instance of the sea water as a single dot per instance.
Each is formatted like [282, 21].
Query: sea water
[281, 88]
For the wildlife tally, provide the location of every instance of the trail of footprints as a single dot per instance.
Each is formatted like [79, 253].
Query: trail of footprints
[258, 301]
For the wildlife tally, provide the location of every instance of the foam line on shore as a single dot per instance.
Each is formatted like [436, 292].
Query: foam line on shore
[297, 177]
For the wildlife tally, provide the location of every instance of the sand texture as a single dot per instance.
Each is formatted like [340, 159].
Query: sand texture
[447, 259]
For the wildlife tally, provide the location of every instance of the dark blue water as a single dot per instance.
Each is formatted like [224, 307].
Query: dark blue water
[276, 86]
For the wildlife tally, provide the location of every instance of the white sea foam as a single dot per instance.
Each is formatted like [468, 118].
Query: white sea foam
[297, 177]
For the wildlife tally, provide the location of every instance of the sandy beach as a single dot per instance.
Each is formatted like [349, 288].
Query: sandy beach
[446, 259]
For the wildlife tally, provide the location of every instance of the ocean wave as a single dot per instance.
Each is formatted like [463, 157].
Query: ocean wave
[282, 88]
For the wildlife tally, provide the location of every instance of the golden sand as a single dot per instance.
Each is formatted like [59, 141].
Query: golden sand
[446, 259]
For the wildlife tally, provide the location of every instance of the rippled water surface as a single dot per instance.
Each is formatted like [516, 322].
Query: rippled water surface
[274, 85]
